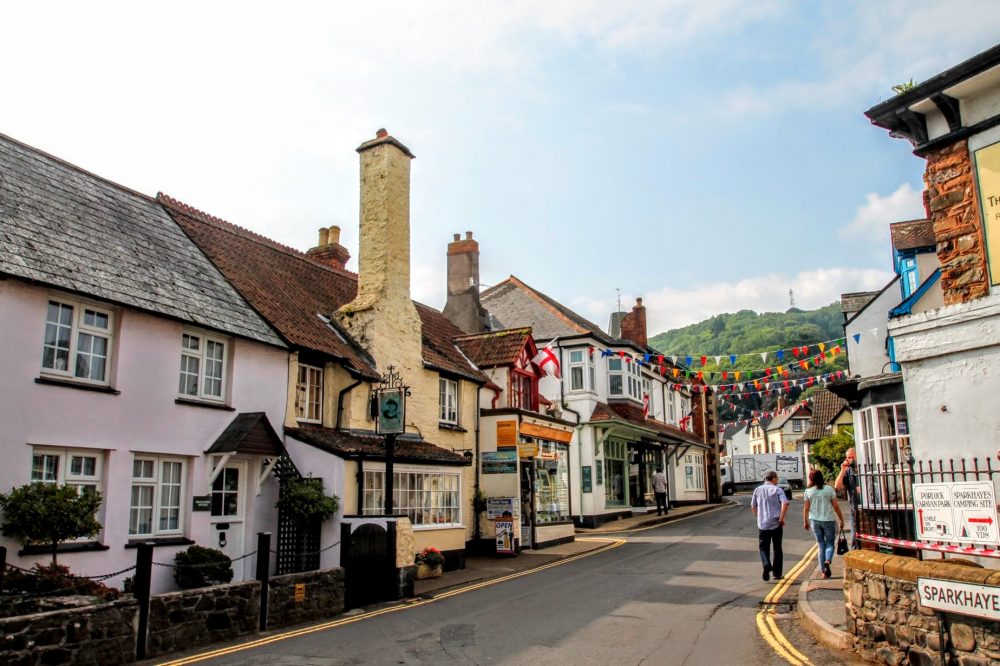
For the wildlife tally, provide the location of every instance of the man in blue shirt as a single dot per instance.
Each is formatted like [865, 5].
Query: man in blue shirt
[769, 505]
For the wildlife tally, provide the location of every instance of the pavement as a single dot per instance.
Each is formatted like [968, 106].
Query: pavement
[821, 606]
[481, 568]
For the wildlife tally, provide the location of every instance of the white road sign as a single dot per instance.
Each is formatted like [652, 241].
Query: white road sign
[959, 511]
[954, 597]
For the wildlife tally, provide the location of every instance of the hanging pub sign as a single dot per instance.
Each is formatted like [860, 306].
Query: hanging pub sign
[391, 411]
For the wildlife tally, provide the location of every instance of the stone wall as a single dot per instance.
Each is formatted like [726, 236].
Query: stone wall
[324, 597]
[891, 627]
[105, 634]
[102, 634]
[953, 206]
[190, 618]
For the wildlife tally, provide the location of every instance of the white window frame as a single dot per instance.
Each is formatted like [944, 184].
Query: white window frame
[694, 471]
[308, 409]
[448, 400]
[404, 482]
[201, 355]
[584, 364]
[156, 482]
[78, 327]
[63, 473]
[630, 375]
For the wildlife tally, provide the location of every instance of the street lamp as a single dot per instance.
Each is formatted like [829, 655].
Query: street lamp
[390, 421]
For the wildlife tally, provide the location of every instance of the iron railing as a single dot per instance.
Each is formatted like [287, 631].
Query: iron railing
[886, 514]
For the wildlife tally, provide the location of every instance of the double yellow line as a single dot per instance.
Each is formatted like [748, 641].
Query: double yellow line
[766, 625]
[612, 543]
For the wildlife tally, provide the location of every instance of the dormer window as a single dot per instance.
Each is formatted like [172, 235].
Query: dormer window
[77, 341]
[448, 400]
[581, 371]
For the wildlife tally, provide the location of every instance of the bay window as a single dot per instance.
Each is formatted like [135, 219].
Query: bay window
[582, 376]
[624, 378]
[427, 498]
[77, 341]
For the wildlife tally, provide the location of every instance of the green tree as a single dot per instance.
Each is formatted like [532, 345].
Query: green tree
[828, 453]
[46, 513]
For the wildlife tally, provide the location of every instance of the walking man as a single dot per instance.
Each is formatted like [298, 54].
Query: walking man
[847, 480]
[769, 505]
[660, 490]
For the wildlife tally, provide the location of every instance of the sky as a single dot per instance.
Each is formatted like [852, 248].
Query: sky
[706, 155]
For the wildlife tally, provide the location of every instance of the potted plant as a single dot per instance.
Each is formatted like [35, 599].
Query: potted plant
[430, 563]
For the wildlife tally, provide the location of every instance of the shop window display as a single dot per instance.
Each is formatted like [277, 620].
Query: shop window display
[614, 470]
[552, 483]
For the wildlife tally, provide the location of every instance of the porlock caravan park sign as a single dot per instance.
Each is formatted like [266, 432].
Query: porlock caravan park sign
[957, 511]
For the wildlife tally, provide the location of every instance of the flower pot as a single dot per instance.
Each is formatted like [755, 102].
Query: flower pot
[427, 571]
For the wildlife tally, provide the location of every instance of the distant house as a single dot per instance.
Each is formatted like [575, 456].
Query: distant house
[735, 440]
[830, 414]
[132, 368]
[757, 434]
[784, 430]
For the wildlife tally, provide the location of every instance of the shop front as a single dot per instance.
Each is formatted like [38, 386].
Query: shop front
[525, 463]
[643, 460]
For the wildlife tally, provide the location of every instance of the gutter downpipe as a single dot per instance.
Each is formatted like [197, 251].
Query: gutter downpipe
[577, 427]
[477, 534]
[340, 400]
[360, 480]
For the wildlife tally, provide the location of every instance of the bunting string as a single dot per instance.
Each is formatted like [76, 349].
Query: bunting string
[789, 353]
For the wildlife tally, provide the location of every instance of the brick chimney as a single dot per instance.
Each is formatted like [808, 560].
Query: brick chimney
[328, 250]
[633, 324]
[463, 307]
[382, 317]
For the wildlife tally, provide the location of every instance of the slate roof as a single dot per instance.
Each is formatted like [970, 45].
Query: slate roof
[63, 227]
[632, 413]
[856, 301]
[494, 348]
[826, 405]
[372, 447]
[912, 234]
[514, 303]
[299, 295]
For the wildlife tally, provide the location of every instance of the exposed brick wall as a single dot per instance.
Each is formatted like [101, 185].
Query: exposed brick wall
[953, 206]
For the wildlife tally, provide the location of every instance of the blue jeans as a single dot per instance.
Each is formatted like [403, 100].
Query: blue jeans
[826, 537]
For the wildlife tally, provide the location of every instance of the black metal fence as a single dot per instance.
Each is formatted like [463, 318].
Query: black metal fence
[886, 513]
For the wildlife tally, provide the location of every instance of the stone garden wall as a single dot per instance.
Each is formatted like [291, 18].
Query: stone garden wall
[89, 636]
[891, 627]
[104, 634]
[322, 597]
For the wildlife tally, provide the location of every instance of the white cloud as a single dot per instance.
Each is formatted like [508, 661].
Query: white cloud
[673, 307]
[873, 217]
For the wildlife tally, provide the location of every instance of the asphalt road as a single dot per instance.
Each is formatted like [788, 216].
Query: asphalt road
[686, 592]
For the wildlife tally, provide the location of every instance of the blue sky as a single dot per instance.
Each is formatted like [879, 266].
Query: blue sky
[705, 155]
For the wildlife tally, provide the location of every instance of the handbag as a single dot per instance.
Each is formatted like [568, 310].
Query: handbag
[842, 546]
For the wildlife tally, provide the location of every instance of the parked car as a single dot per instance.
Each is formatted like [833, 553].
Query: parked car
[784, 485]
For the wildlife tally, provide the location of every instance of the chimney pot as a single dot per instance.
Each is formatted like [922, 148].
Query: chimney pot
[322, 237]
[334, 237]
[638, 302]
[468, 235]
[381, 133]
[457, 237]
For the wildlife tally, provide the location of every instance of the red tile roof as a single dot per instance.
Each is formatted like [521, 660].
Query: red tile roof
[373, 447]
[495, 348]
[632, 413]
[299, 295]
